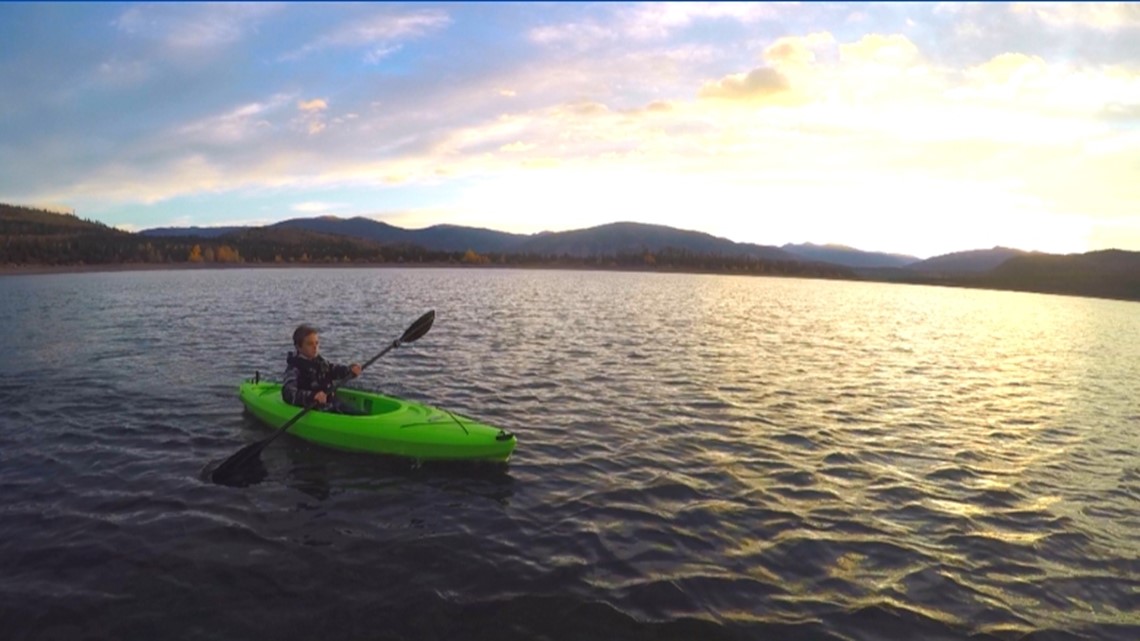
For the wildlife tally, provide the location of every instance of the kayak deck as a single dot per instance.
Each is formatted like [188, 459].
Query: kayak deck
[390, 425]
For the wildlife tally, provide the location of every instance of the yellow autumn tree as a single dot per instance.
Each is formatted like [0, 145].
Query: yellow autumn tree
[472, 258]
[195, 254]
[227, 254]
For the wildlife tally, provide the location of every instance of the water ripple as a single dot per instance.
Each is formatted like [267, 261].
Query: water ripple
[700, 458]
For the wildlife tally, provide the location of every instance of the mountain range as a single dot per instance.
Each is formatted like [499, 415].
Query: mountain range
[1113, 274]
[603, 240]
[613, 238]
[37, 237]
[849, 256]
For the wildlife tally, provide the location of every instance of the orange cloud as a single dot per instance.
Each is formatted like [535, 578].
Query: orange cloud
[798, 50]
[758, 84]
[311, 106]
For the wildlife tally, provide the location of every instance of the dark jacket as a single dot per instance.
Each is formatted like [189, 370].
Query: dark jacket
[307, 376]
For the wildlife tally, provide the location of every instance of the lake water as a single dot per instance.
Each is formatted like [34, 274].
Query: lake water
[699, 457]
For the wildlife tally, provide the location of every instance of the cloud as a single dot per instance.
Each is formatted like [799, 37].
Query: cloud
[193, 26]
[660, 20]
[119, 72]
[582, 33]
[1120, 112]
[237, 125]
[383, 28]
[757, 85]
[1010, 66]
[380, 34]
[314, 207]
[1101, 16]
[131, 182]
[312, 106]
[1034, 86]
[892, 50]
[859, 110]
[798, 51]
[582, 108]
[380, 53]
[311, 118]
[1007, 75]
[1079, 33]
[651, 21]
[880, 114]
[518, 145]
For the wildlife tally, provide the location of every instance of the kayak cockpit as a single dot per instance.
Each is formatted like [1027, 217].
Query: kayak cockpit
[368, 404]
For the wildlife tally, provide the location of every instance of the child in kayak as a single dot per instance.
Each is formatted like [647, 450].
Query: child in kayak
[308, 376]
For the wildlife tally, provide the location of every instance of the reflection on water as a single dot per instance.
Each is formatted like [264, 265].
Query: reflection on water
[699, 457]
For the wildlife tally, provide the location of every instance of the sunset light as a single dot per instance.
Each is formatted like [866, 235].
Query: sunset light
[916, 128]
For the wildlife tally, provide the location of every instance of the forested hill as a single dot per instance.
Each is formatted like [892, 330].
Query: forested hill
[36, 237]
[16, 221]
[1108, 273]
[40, 237]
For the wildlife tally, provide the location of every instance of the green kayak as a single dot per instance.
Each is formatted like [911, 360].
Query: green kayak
[390, 426]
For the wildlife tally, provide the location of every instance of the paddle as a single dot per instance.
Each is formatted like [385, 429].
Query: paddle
[231, 468]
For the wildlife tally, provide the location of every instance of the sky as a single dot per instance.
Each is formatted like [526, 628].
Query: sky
[913, 128]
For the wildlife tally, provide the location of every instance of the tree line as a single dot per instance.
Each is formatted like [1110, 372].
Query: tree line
[106, 249]
[31, 236]
[39, 237]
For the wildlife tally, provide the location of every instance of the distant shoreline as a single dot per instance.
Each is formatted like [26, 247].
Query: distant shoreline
[34, 270]
[954, 283]
[39, 270]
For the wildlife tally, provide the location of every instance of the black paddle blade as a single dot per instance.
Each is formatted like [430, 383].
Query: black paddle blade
[419, 328]
[234, 468]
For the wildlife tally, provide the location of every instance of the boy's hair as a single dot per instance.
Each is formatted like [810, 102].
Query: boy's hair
[301, 333]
